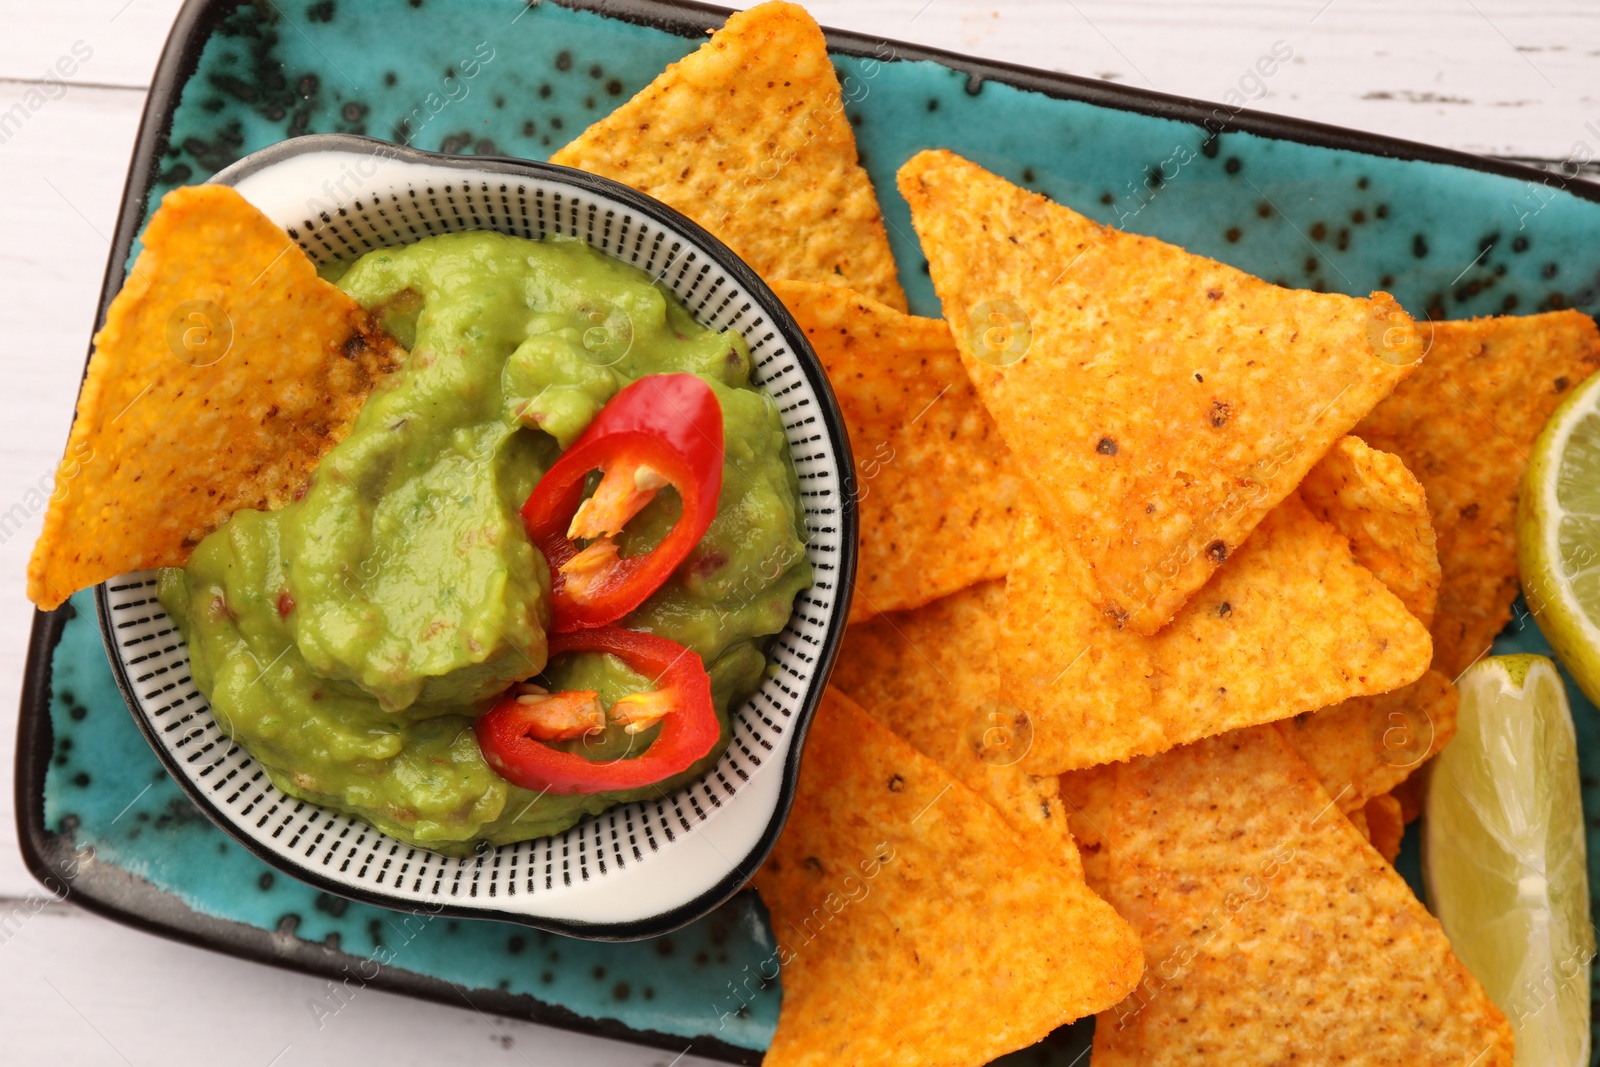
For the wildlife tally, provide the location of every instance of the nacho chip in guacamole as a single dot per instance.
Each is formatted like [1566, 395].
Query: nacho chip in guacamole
[224, 371]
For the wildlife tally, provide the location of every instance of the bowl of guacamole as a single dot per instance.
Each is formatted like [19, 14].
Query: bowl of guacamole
[346, 645]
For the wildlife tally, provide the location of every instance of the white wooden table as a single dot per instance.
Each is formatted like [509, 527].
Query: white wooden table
[1515, 78]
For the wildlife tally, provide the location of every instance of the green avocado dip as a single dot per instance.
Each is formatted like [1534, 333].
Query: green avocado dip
[349, 640]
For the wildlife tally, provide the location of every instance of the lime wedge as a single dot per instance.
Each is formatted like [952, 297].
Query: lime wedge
[1503, 854]
[1558, 534]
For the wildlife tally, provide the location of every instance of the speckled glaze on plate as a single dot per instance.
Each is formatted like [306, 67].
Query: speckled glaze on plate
[1305, 205]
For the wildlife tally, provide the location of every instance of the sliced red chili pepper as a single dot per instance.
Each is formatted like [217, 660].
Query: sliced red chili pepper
[512, 734]
[664, 429]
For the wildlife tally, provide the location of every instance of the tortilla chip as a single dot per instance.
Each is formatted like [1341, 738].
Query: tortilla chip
[1464, 423]
[900, 902]
[1385, 826]
[1163, 403]
[1363, 748]
[226, 368]
[1290, 624]
[932, 676]
[1358, 819]
[1409, 793]
[934, 482]
[1372, 499]
[748, 137]
[1273, 933]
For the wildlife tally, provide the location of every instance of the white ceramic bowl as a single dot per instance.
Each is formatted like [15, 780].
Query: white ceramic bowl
[636, 870]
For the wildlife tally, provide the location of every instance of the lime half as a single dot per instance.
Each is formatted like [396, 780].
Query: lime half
[1503, 855]
[1558, 534]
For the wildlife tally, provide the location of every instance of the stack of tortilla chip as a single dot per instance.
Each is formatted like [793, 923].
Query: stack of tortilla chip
[1111, 509]
[1209, 663]
[1328, 557]
[225, 370]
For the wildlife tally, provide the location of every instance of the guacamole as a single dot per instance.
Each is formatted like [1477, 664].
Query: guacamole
[349, 640]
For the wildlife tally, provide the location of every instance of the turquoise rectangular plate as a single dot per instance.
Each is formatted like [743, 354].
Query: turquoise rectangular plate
[1303, 205]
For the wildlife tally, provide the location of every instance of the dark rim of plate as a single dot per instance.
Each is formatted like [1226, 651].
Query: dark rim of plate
[833, 423]
[122, 896]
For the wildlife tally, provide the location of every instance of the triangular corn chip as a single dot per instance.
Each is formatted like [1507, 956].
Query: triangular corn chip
[1364, 747]
[901, 904]
[1371, 498]
[1290, 624]
[1273, 933]
[748, 136]
[226, 368]
[1385, 826]
[1408, 794]
[932, 676]
[934, 482]
[1163, 402]
[1464, 423]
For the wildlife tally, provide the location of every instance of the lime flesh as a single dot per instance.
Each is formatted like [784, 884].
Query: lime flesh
[1558, 534]
[1504, 855]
